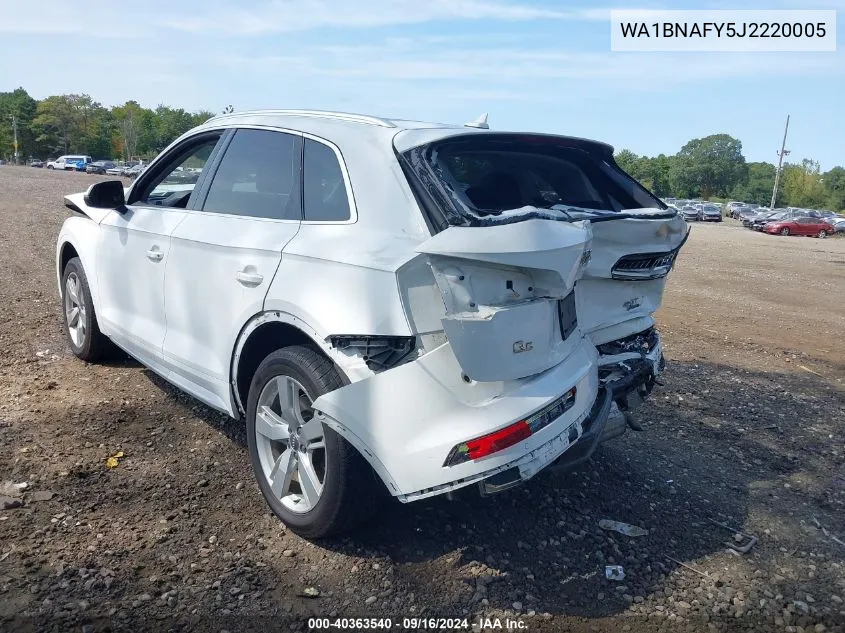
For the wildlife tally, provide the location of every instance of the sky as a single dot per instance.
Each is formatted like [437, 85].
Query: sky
[534, 65]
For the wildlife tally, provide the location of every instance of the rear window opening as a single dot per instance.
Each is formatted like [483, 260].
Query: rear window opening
[494, 178]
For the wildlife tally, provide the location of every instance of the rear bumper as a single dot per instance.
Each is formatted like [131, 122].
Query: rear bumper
[406, 421]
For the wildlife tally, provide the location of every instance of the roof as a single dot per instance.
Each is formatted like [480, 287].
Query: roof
[346, 127]
[348, 118]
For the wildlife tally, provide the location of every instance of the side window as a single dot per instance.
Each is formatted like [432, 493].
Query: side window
[324, 190]
[172, 185]
[258, 177]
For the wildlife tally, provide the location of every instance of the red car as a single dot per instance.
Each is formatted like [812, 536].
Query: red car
[816, 227]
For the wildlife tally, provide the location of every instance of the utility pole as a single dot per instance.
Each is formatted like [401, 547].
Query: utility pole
[15, 130]
[783, 152]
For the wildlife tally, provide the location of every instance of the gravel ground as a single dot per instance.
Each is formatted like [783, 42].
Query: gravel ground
[747, 431]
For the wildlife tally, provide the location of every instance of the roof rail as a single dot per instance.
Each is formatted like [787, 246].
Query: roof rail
[324, 114]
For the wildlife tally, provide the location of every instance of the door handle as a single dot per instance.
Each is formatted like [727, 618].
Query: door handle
[248, 276]
[155, 254]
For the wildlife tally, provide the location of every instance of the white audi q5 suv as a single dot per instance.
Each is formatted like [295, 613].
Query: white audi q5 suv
[389, 305]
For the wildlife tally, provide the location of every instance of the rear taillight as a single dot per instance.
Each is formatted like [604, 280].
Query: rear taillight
[491, 443]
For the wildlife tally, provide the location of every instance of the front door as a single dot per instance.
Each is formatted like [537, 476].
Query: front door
[224, 255]
[135, 247]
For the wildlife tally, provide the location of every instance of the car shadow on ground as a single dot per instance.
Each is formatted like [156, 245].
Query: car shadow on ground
[720, 444]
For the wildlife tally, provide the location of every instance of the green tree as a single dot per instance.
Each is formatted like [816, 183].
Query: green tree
[22, 107]
[627, 160]
[758, 185]
[55, 125]
[834, 186]
[802, 185]
[651, 173]
[709, 166]
[128, 120]
[64, 123]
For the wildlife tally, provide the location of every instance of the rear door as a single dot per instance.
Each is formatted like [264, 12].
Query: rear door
[806, 226]
[225, 254]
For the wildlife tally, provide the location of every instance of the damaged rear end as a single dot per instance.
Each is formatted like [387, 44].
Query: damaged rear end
[532, 305]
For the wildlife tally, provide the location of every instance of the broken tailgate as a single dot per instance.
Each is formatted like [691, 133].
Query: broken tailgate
[508, 294]
[623, 284]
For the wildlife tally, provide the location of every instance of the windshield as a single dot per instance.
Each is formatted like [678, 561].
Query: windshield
[497, 178]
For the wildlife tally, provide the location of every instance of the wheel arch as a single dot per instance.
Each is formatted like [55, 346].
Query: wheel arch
[78, 238]
[264, 333]
[272, 330]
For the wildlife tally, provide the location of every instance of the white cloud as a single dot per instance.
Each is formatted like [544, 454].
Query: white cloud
[503, 66]
[219, 17]
[284, 16]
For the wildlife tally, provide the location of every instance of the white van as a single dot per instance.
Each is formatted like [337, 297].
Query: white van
[72, 161]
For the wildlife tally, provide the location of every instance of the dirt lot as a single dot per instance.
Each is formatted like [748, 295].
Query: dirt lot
[747, 431]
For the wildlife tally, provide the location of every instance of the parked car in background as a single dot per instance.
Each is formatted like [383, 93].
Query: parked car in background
[760, 220]
[838, 224]
[809, 226]
[99, 166]
[737, 212]
[116, 170]
[34, 162]
[458, 355]
[710, 213]
[135, 171]
[690, 213]
[749, 217]
[73, 162]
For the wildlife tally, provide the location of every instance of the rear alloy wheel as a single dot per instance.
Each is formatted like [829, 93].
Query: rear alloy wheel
[822, 234]
[83, 332]
[784, 231]
[311, 478]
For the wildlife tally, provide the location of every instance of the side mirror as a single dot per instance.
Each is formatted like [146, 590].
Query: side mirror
[106, 195]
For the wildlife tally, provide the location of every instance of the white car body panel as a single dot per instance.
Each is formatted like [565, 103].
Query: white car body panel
[82, 235]
[131, 258]
[218, 273]
[407, 419]
[500, 286]
[488, 352]
[609, 309]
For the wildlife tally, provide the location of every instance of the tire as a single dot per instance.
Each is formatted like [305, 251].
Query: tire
[784, 231]
[50, 167]
[350, 491]
[82, 330]
[822, 234]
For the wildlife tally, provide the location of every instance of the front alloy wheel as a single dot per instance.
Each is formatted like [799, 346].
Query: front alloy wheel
[83, 332]
[784, 231]
[75, 315]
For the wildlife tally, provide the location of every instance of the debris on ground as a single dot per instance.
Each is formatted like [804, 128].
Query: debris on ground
[741, 543]
[685, 566]
[614, 572]
[622, 528]
[112, 461]
[310, 592]
[42, 495]
[8, 503]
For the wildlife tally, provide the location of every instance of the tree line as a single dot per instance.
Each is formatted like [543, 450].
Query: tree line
[714, 167]
[77, 124]
[707, 168]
